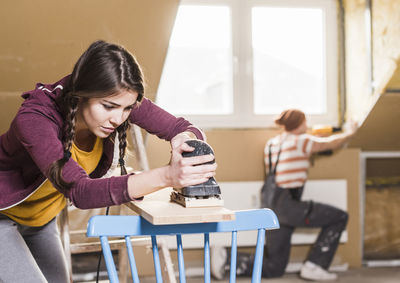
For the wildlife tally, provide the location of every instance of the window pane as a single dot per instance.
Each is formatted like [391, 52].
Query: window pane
[197, 76]
[288, 53]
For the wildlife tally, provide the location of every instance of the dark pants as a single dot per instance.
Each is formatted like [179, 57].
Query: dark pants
[292, 213]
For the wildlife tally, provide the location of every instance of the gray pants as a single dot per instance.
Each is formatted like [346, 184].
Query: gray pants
[292, 213]
[31, 254]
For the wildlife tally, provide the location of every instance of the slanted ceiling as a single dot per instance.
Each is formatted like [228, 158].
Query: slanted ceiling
[41, 40]
[380, 130]
[394, 83]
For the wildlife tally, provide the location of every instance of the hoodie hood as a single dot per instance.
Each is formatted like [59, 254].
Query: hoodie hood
[42, 100]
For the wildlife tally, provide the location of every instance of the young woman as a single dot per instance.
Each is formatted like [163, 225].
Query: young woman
[64, 142]
[290, 153]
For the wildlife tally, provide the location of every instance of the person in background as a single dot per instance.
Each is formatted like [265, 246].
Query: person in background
[294, 148]
[64, 143]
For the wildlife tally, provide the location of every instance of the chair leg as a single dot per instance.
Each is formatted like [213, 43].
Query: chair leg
[64, 234]
[123, 265]
[165, 257]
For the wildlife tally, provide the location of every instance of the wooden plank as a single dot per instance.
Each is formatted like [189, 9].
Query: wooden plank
[157, 209]
[114, 245]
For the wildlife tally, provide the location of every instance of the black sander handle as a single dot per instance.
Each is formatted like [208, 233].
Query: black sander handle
[208, 188]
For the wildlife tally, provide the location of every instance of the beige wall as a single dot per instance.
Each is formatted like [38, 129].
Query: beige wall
[41, 40]
[378, 132]
[9, 104]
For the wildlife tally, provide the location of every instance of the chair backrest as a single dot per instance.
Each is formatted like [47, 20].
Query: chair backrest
[127, 226]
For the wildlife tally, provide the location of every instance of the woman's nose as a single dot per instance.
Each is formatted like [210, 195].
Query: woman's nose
[117, 118]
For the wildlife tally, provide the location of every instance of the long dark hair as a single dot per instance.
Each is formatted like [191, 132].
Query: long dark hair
[102, 70]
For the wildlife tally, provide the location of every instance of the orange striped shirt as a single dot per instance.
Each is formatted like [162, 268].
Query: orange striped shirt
[293, 164]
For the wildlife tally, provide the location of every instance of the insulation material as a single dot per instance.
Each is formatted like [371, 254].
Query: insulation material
[382, 212]
[357, 84]
[386, 40]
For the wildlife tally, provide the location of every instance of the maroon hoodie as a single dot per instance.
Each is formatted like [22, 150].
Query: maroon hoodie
[33, 142]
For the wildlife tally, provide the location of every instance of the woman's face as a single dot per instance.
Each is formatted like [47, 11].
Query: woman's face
[101, 116]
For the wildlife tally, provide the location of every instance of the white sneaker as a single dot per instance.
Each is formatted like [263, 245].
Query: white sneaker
[311, 271]
[219, 259]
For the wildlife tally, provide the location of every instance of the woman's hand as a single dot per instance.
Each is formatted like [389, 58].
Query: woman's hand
[337, 140]
[180, 172]
[179, 139]
[350, 127]
[188, 171]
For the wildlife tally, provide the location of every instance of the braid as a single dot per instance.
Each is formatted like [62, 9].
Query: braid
[55, 169]
[69, 127]
[122, 145]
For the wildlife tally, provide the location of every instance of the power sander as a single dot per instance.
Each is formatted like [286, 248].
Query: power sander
[201, 195]
[324, 131]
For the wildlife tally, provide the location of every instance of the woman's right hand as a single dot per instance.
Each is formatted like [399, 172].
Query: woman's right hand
[350, 127]
[188, 171]
[180, 172]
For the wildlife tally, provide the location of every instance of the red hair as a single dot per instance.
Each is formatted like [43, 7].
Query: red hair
[290, 119]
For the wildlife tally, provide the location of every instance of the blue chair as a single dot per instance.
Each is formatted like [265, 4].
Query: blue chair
[132, 225]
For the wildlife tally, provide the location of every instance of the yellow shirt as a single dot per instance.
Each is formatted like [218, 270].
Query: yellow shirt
[46, 202]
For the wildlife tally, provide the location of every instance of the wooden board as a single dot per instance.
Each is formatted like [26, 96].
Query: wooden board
[157, 209]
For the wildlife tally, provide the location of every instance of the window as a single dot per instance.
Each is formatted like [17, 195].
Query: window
[235, 63]
[197, 77]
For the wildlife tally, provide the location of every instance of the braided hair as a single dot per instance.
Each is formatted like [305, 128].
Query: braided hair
[103, 70]
[122, 145]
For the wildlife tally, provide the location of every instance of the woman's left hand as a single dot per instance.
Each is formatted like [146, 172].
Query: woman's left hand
[179, 139]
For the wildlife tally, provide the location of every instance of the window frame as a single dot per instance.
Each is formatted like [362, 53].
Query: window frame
[243, 115]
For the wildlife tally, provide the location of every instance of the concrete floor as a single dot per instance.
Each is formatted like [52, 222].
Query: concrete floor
[361, 275]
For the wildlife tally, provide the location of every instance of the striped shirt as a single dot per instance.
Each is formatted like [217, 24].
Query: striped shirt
[294, 158]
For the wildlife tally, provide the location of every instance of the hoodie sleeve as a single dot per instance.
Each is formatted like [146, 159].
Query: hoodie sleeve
[157, 121]
[39, 135]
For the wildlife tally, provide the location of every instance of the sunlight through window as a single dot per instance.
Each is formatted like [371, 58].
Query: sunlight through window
[237, 64]
[288, 52]
[197, 77]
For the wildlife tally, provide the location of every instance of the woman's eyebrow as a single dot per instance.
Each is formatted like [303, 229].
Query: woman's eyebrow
[116, 104]
[113, 103]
